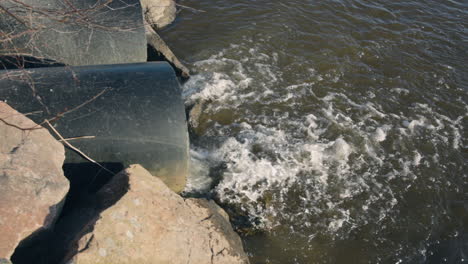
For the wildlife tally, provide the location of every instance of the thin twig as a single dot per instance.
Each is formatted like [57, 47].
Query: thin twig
[66, 143]
[86, 102]
[18, 127]
[3, 120]
[75, 138]
[13, 15]
[60, 115]
[191, 8]
[32, 113]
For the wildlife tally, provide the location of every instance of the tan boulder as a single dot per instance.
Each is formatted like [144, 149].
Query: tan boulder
[32, 184]
[159, 13]
[152, 224]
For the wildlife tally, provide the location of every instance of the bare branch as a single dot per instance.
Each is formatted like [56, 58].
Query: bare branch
[66, 143]
[75, 138]
[191, 8]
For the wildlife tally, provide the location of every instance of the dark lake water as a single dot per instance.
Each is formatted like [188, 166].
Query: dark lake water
[334, 130]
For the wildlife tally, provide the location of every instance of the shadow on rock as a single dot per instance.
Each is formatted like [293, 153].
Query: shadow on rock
[89, 196]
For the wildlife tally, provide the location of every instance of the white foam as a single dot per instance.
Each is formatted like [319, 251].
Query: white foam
[213, 87]
[340, 149]
[417, 158]
[379, 135]
[400, 90]
[199, 180]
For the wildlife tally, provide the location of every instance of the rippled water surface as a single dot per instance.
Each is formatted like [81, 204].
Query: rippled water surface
[332, 131]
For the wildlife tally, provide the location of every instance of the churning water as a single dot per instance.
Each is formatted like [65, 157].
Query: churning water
[333, 131]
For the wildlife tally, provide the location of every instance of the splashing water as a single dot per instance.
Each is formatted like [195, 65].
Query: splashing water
[337, 152]
[325, 172]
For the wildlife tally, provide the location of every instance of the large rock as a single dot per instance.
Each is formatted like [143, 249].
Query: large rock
[152, 224]
[159, 13]
[32, 185]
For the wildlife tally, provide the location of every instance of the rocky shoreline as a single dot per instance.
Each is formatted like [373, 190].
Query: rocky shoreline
[133, 218]
[47, 216]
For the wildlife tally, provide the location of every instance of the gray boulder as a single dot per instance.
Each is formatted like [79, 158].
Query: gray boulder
[159, 13]
[32, 184]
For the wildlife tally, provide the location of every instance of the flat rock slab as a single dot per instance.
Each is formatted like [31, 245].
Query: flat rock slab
[32, 184]
[152, 224]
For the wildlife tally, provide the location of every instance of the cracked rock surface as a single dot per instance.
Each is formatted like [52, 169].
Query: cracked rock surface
[32, 184]
[152, 224]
